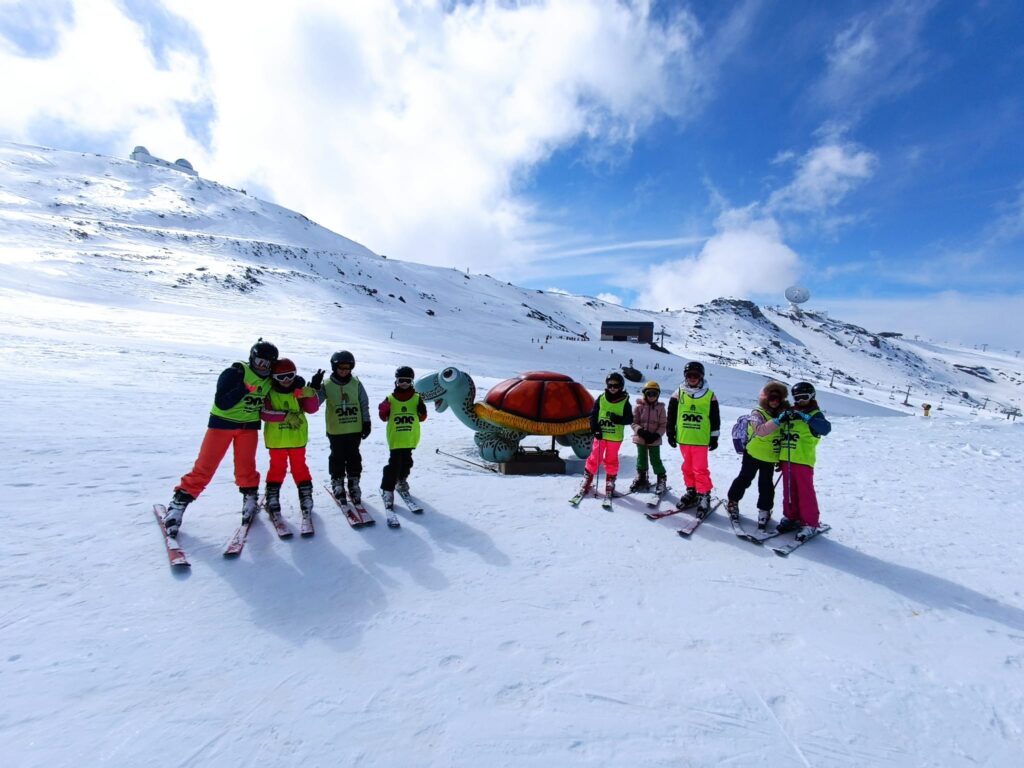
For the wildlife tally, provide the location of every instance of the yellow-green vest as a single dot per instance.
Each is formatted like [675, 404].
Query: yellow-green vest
[693, 419]
[293, 432]
[246, 410]
[798, 445]
[404, 422]
[609, 429]
[763, 448]
[343, 414]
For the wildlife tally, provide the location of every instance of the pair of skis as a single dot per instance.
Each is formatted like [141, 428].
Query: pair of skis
[358, 517]
[176, 554]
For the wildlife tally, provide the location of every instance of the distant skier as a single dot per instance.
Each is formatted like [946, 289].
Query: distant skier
[803, 427]
[234, 419]
[347, 416]
[761, 454]
[403, 410]
[286, 434]
[693, 424]
[649, 424]
[610, 414]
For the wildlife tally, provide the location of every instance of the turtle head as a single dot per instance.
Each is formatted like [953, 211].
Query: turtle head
[444, 387]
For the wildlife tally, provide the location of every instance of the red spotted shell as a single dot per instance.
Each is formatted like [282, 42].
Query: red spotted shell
[542, 396]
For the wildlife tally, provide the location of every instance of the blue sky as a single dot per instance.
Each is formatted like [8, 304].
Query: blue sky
[654, 153]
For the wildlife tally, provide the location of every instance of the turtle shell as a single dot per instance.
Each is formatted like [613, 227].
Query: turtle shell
[550, 398]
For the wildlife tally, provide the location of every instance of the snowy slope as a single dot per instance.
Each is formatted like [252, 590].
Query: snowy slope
[501, 628]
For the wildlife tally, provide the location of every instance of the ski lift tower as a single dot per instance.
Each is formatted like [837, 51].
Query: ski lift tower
[797, 295]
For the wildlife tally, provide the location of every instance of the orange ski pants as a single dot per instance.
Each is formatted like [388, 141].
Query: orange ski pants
[215, 445]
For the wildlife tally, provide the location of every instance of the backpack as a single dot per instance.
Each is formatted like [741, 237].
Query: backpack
[741, 433]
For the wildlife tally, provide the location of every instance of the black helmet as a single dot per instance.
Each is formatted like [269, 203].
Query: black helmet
[261, 357]
[802, 391]
[343, 357]
[404, 372]
[694, 367]
[615, 378]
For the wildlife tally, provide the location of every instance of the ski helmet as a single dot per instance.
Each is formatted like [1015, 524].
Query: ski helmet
[283, 368]
[651, 386]
[342, 357]
[615, 378]
[803, 391]
[261, 357]
[404, 372]
[693, 367]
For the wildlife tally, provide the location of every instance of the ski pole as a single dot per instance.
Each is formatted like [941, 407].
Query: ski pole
[467, 461]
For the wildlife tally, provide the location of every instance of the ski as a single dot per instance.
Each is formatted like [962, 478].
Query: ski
[364, 517]
[351, 516]
[691, 522]
[392, 518]
[575, 500]
[281, 526]
[783, 550]
[410, 502]
[606, 503]
[307, 529]
[237, 542]
[741, 532]
[175, 553]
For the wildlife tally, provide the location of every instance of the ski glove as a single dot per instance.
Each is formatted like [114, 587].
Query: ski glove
[646, 435]
[366, 429]
[318, 379]
[713, 444]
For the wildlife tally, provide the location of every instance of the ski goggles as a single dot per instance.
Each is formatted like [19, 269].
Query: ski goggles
[284, 376]
[803, 397]
[403, 381]
[652, 393]
[261, 363]
[343, 367]
[612, 385]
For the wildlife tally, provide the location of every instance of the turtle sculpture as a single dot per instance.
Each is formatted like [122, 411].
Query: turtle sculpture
[534, 403]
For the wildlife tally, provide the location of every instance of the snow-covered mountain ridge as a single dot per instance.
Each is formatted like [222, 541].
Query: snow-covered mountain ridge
[130, 229]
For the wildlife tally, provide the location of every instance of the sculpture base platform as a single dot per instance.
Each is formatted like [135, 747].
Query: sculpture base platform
[533, 461]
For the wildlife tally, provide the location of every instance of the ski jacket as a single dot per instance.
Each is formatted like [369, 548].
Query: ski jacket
[649, 418]
[703, 404]
[343, 398]
[403, 429]
[613, 421]
[800, 438]
[238, 399]
[285, 417]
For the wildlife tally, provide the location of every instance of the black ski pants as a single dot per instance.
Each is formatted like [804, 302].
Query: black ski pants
[765, 485]
[398, 468]
[345, 458]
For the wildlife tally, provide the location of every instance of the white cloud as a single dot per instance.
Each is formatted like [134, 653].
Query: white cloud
[946, 316]
[611, 298]
[746, 257]
[824, 176]
[396, 122]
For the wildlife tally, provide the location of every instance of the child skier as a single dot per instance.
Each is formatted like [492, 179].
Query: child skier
[234, 418]
[286, 434]
[348, 423]
[649, 424]
[761, 454]
[403, 410]
[804, 426]
[693, 424]
[610, 414]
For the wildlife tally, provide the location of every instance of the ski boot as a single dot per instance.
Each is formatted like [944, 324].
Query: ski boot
[354, 492]
[609, 486]
[588, 480]
[662, 485]
[338, 490]
[250, 502]
[733, 509]
[688, 499]
[806, 532]
[273, 499]
[640, 482]
[402, 486]
[306, 498]
[175, 512]
[389, 498]
[703, 505]
[787, 524]
[763, 516]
